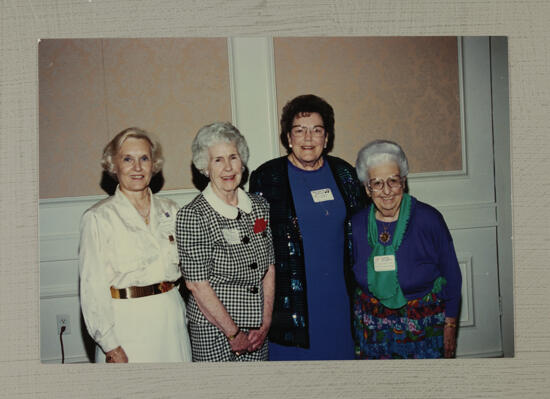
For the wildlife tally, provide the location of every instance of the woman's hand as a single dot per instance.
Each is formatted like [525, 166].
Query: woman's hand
[449, 337]
[116, 355]
[214, 311]
[240, 343]
[257, 337]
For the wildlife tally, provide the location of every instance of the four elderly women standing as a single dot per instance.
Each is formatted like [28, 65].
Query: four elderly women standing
[129, 262]
[405, 266]
[306, 214]
[224, 243]
[312, 196]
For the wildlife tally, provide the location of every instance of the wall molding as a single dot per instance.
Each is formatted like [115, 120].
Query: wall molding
[477, 355]
[92, 199]
[59, 247]
[254, 103]
[68, 360]
[58, 291]
[465, 264]
[463, 131]
[469, 216]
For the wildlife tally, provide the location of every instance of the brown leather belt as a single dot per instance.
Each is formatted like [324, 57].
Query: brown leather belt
[138, 292]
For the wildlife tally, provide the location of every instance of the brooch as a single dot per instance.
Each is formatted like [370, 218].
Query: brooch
[260, 225]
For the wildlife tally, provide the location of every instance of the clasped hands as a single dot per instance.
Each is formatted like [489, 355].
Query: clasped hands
[248, 342]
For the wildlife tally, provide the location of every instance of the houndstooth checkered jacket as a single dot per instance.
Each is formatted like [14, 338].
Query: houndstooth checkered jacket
[234, 270]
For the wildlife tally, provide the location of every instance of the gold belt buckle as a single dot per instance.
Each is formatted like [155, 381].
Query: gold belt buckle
[165, 286]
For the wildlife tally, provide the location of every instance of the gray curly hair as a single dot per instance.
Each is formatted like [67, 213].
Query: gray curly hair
[377, 152]
[212, 134]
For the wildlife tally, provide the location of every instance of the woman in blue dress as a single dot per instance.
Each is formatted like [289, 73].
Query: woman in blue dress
[312, 196]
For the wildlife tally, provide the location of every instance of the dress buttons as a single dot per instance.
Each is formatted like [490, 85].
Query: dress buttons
[254, 290]
[253, 265]
[245, 240]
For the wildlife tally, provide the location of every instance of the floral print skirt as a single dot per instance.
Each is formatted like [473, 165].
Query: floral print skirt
[414, 331]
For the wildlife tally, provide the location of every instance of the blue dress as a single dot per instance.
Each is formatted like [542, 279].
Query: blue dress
[322, 227]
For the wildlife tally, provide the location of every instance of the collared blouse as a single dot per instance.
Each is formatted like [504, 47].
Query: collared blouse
[118, 249]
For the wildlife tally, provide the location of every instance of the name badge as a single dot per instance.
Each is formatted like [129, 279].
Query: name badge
[384, 263]
[322, 195]
[231, 236]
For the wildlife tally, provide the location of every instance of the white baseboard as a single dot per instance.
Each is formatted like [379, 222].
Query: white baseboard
[68, 360]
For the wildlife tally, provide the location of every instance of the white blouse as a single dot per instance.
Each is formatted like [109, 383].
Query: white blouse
[118, 249]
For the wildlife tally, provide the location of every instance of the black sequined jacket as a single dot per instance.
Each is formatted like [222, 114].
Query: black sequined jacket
[290, 310]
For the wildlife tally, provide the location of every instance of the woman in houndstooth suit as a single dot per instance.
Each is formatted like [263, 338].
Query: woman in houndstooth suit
[226, 254]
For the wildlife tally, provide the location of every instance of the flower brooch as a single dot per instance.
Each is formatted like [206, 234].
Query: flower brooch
[259, 226]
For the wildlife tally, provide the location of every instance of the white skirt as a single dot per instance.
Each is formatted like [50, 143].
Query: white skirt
[151, 329]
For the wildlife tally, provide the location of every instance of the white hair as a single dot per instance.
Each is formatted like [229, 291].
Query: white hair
[212, 134]
[377, 152]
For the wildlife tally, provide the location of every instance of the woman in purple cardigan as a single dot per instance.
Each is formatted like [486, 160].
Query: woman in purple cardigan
[405, 265]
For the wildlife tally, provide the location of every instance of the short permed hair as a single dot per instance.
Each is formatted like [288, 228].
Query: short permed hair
[305, 104]
[111, 150]
[377, 152]
[215, 133]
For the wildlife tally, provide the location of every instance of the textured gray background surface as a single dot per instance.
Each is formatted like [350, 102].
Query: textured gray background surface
[24, 22]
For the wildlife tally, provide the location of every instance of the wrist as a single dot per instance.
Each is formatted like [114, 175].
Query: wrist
[231, 337]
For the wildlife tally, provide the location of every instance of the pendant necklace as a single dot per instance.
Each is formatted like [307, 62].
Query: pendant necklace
[146, 216]
[385, 236]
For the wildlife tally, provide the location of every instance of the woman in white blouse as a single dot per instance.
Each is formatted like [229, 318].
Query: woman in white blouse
[129, 262]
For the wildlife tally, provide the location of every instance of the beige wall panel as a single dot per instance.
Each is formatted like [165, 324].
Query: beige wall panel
[170, 87]
[72, 120]
[399, 88]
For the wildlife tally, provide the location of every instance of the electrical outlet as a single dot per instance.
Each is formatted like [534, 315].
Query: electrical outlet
[63, 320]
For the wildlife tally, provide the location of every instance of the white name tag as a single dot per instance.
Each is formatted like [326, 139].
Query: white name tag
[231, 236]
[322, 195]
[384, 263]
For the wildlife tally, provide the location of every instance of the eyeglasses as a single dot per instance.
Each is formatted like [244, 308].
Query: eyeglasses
[300, 131]
[394, 181]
